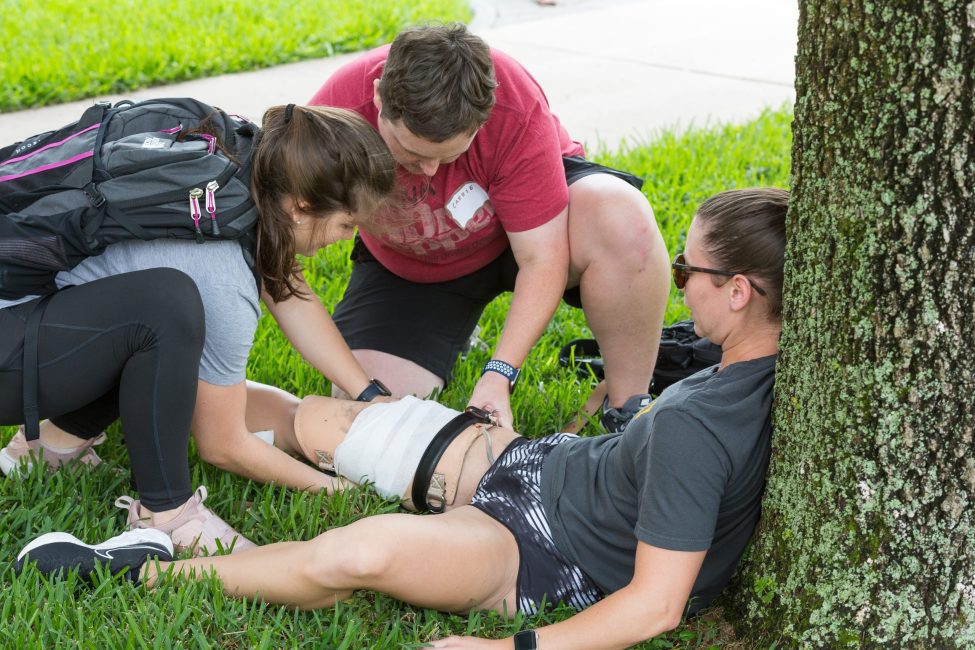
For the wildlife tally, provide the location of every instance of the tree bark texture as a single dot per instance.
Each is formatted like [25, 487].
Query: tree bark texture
[868, 532]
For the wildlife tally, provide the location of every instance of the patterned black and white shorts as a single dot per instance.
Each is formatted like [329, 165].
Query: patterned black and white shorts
[510, 493]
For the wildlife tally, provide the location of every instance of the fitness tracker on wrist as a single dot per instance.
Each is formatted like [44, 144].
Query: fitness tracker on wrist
[526, 640]
[373, 390]
[503, 368]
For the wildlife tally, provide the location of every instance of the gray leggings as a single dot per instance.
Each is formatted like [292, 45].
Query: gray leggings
[127, 345]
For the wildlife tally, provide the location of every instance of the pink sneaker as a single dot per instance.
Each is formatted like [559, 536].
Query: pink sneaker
[196, 527]
[18, 451]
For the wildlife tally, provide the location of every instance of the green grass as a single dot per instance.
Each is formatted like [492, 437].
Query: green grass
[681, 169]
[59, 50]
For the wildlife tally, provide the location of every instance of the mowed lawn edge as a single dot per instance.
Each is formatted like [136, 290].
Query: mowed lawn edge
[62, 50]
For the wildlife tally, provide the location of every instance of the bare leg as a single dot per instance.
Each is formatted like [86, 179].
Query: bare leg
[620, 263]
[453, 562]
[322, 423]
[401, 376]
[270, 408]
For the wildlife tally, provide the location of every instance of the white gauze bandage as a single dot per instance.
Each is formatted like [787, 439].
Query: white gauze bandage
[386, 441]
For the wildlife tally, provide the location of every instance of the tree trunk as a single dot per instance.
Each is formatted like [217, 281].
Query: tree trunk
[868, 533]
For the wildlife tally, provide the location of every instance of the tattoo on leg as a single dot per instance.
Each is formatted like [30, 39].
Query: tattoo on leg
[325, 460]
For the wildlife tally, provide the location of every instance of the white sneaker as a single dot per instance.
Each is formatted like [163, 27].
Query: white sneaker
[57, 553]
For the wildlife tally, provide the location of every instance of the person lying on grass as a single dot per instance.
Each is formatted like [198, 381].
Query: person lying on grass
[626, 528]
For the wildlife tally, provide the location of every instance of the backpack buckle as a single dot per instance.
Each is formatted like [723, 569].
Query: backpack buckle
[96, 198]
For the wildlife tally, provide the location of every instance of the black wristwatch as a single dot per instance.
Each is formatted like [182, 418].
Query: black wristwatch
[503, 368]
[526, 640]
[373, 390]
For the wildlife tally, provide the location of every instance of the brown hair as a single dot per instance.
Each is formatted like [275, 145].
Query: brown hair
[330, 160]
[439, 80]
[744, 232]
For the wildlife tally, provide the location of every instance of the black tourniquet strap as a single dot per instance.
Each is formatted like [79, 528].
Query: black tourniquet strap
[32, 417]
[436, 449]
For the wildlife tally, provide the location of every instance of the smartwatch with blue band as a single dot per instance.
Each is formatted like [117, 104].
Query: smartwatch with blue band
[372, 391]
[503, 368]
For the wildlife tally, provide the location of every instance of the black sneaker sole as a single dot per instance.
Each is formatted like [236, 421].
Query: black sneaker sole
[54, 554]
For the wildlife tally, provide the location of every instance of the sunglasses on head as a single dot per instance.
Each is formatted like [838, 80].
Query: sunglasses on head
[681, 271]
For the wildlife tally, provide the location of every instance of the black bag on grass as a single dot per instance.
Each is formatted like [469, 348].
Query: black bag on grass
[141, 170]
[682, 353]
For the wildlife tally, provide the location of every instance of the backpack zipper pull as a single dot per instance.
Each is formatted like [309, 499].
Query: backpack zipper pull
[211, 203]
[211, 142]
[195, 195]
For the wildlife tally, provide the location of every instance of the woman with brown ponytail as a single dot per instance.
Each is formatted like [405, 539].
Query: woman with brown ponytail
[317, 173]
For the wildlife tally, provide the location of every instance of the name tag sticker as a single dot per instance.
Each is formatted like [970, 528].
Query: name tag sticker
[466, 201]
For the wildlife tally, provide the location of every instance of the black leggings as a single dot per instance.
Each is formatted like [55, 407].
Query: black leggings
[126, 345]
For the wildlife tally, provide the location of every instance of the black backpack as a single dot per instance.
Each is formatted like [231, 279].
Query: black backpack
[132, 171]
[682, 353]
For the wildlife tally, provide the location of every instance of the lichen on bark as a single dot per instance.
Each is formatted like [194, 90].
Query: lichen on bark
[868, 533]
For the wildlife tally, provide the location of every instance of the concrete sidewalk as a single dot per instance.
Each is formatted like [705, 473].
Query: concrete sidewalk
[612, 69]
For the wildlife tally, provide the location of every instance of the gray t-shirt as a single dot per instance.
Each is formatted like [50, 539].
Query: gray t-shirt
[226, 285]
[686, 475]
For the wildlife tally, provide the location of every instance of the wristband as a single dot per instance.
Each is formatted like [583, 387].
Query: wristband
[503, 368]
[373, 390]
[526, 640]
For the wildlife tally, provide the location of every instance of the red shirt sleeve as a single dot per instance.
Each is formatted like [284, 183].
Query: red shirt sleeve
[529, 189]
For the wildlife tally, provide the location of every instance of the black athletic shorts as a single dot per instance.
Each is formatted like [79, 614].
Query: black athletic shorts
[510, 493]
[430, 324]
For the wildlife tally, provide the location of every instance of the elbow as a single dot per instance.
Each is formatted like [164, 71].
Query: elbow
[671, 621]
[218, 455]
[661, 620]
[217, 458]
[665, 621]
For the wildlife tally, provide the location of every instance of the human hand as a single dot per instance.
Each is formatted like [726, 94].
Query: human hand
[471, 643]
[493, 394]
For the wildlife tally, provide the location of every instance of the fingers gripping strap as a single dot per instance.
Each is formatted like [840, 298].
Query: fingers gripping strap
[386, 441]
